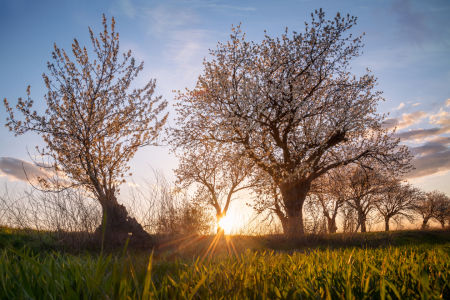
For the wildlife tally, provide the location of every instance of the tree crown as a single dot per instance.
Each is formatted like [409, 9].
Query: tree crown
[92, 125]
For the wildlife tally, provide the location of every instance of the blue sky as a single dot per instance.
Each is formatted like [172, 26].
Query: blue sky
[407, 46]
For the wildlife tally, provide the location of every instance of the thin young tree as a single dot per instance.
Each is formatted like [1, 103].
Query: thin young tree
[94, 124]
[294, 107]
[268, 199]
[329, 192]
[219, 175]
[364, 187]
[397, 200]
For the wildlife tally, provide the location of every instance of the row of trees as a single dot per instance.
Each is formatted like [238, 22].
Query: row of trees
[285, 118]
[368, 192]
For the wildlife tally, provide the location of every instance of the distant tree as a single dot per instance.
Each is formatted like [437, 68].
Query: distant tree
[268, 199]
[397, 200]
[329, 192]
[431, 206]
[442, 212]
[92, 125]
[218, 173]
[293, 106]
[364, 188]
[349, 219]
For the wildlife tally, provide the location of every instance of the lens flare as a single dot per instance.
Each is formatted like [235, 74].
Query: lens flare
[226, 223]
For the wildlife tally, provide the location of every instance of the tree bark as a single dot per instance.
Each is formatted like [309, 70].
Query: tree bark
[294, 196]
[284, 224]
[386, 223]
[119, 225]
[331, 222]
[424, 223]
[362, 221]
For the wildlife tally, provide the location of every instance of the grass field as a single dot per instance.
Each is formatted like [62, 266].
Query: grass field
[417, 267]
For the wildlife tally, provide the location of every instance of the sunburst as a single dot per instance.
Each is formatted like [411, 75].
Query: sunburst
[226, 223]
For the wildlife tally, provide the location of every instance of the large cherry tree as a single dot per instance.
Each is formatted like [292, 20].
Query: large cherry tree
[293, 106]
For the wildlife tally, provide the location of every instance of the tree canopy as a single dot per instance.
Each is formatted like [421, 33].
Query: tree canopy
[293, 107]
[93, 124]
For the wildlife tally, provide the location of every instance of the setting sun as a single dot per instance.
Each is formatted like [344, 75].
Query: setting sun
[226, 223]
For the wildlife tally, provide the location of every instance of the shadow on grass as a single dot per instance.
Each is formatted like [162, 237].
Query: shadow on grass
[172, 247]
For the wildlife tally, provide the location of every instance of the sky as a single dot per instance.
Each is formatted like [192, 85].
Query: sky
[407, 47]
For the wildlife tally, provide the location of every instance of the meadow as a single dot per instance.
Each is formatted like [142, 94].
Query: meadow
[418, 267]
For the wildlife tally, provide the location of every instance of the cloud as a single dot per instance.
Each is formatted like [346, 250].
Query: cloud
[227, 8]
[400, 106]
[127, 8]
[420, 134]
[430, 165]
[447, 102]
[18, 169]
[437, 145]
[185, 52]
[431, 158]
[415, 104]
[166, 18]
[124, 7]
[406, 120]
[441, 118]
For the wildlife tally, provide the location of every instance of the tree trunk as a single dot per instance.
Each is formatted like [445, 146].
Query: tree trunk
[362, 221]
[219, 217]
[331, 222]
[424, 223]
[120, 226]
[294, 196]
[284, 223]
[386, 223]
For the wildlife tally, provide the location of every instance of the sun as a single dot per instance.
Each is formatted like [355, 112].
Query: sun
[226, 223]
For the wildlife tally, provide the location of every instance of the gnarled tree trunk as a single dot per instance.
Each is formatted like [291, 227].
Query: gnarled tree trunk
[119, 225]
[424, 223]
[294, 196]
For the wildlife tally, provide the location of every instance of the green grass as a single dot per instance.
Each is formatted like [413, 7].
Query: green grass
[19, 238]
[377, 265]
[406, 272]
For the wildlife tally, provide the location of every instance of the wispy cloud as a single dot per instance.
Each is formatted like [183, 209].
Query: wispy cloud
[434, 146]
[124, 7]
[165, 19]
[15, 169]
[421, 134]
[186, 52]
[400, 106]
[406, 120]
[431, 158]
[22, 170]
[415, 104]
[441, 118]
[228, 8]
